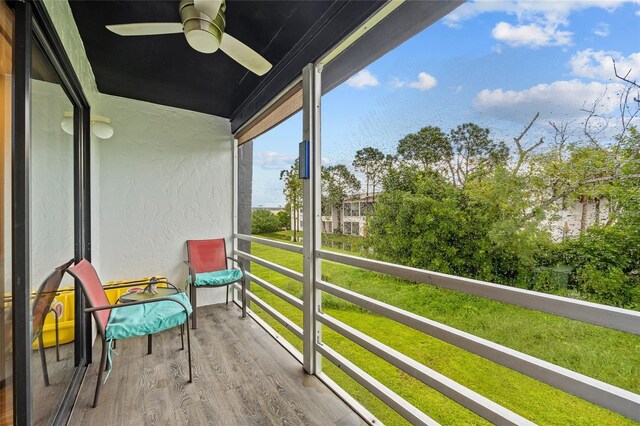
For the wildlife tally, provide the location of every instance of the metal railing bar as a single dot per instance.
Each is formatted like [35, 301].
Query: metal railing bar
[475, 402]
[275, 290]
[273, 266]
[600, 393]
[286, 322]
[593, 313]
[273, 243]
[360, 410]
[274, 334]
[386, 395]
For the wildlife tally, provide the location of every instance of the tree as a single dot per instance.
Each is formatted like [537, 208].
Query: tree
[474, 152]
[338, 183]
[263, 221]
[293, 194]
[429, 147]
[372, 163]
[284, 217]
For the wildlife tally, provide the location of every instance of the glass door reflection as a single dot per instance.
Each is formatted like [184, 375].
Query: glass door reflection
[52, 238]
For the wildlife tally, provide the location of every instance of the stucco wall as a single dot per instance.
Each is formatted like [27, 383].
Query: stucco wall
[52, 231]
[165, 177]
[62, 18]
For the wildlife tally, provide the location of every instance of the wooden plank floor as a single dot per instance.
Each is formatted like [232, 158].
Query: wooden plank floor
[241, 375]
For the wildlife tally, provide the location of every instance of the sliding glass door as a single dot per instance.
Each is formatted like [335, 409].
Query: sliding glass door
[52, 236]
[45, 130]
[6, 351]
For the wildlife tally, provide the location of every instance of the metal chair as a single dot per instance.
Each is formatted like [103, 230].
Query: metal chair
[41, 308]
[140, 318]
[208, 267]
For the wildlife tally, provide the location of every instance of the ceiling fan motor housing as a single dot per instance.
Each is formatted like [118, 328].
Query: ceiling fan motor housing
[203, 32]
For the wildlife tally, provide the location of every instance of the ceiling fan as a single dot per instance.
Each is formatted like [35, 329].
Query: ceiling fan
[203, 23]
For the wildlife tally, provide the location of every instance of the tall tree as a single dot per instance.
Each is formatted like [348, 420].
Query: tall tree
[338, 183]
[430, 147]
[372, 163]
[293, 194]
[474, 151]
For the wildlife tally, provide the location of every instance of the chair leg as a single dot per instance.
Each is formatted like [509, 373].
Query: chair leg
[103, 363]
[189, 354]
[194, 304]
[182, 334]
[57, 338]
[149, 344]
[227, 302]
[43, 360]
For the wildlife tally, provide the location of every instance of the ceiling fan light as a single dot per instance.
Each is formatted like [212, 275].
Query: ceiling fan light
[101, 129]
[202, 41]
[67, 125]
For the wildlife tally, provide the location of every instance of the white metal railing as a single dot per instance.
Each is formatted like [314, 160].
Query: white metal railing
[606, 316]
[273, 266]
[480, 405]
[272, 243]
[598, 392]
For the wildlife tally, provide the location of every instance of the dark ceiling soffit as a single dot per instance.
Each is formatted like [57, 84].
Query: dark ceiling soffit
[402, 24]
[338, 22]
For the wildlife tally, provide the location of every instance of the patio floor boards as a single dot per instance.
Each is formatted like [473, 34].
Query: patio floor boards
[241, 375]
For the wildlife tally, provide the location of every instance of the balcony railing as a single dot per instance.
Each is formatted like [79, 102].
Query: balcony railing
[603, 394]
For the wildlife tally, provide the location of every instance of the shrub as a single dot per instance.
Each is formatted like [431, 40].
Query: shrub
[263, 221]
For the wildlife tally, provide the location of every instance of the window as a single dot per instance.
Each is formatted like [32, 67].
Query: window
[355, 209]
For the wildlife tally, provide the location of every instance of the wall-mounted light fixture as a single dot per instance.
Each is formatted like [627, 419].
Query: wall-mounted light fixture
[100, 126]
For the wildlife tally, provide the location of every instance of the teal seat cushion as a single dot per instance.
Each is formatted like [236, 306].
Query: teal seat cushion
[147, 318]
[217, 278]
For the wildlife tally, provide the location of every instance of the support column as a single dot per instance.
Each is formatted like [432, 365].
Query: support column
[312, 301]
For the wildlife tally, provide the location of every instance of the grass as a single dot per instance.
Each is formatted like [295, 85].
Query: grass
[598, 352]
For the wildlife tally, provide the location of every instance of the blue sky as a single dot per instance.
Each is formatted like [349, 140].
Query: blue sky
[495, 63]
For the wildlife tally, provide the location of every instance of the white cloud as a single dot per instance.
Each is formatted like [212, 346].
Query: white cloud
[363, 79]
[424, 82]
[531, 35]
[396, 83]
[271, 160]
[560, 100]
[598, 64]
[601, 30]
[551, 10]
[459, 88]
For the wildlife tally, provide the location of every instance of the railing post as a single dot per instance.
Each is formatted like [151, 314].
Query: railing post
[312, 302]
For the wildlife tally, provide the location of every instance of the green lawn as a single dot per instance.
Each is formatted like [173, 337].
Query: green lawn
[598, 352]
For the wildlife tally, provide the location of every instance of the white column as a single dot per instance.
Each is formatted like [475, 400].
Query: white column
[312, 301]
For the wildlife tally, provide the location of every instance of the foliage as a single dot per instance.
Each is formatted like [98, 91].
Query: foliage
[263, 221]
[372, 163]
[293, 194]
[284, 217]
[338, 183]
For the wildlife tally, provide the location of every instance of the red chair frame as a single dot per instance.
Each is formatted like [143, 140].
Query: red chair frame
[93, 289]
[210, 256]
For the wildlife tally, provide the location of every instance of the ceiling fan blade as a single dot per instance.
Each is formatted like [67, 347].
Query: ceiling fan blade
[146, 28]
[208, 7]
[244, 55]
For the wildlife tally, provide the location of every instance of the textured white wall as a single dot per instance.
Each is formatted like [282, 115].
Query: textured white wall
[165, 177]
[52, 233]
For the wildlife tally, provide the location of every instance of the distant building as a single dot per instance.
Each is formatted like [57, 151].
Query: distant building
[353, 217]
[565, 223]
[274, 210]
